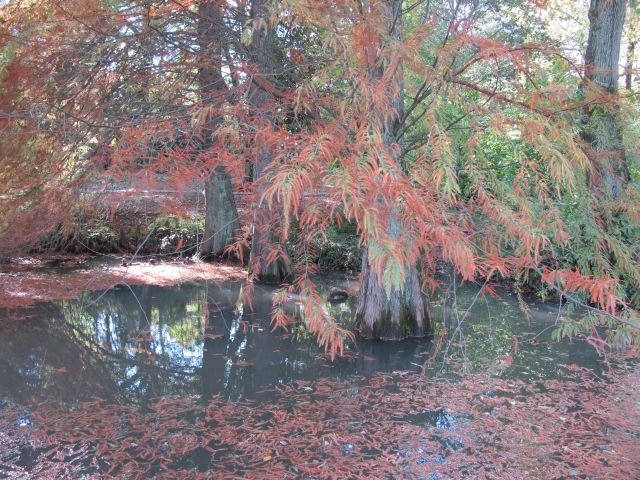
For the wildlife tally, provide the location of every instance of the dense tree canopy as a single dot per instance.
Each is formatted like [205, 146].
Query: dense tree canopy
[451, 134]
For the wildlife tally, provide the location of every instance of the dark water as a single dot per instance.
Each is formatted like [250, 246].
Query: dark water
[132, 344]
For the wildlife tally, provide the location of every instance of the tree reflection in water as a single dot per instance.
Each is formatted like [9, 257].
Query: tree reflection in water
[136, 343]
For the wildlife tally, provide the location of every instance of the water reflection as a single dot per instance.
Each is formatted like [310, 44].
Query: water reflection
[137, 343]
[242, 357]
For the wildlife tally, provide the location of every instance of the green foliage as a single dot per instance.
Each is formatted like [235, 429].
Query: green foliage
[569, 328]
[339, 250]
[171, 233]
[127, 231]
[100, 237]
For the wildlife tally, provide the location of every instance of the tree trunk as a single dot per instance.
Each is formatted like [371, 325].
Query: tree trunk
[602, 59]
[632, 39]
[396, 316]
[265, 236]
[628, 69]
[396, 313]
[221, 216]
[606, 21]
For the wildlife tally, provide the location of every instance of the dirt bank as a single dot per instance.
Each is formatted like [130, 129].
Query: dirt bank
[26, 281]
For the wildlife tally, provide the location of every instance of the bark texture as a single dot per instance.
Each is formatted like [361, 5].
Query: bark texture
[602, 59]
[602, 132]
[221, 214]
[263, 53]
[400, 313]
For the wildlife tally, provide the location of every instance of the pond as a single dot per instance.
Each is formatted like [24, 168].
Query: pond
[82, 380]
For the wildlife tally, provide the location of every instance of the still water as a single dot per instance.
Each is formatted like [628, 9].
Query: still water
[134, 343]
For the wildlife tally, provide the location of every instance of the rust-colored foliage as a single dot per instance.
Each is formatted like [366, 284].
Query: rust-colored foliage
[397, 425]
[93, 89]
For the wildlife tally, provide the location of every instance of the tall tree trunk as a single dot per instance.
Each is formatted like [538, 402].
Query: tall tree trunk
[262, 53]
[221, 216]
[606, 22]
[602, 59]
[632, 38]
[628, 69]
[395, 313]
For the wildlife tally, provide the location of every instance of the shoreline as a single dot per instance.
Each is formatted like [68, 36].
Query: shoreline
[27, 281]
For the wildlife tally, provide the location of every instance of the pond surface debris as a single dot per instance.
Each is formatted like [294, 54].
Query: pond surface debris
[143, 381]
[397, 425]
